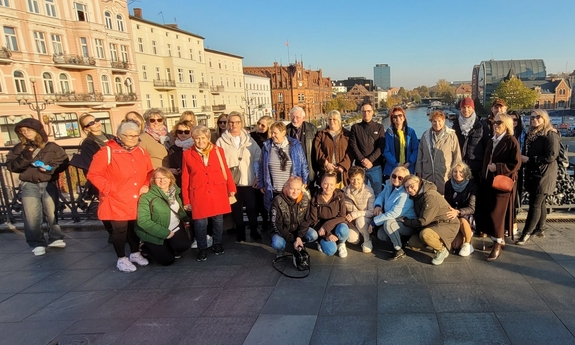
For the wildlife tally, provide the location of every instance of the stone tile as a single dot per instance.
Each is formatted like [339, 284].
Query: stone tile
[98, 260]
[399, 329]
[185, 303]
[494, 272]
[404, 299]
[353, 275]
[318, 276]
[471, 328]
[558, 296]
[293, 300]
[100, 326]
[339, 300]
[59, 259]
[157, 278]
[513, 297]
[73, 306]
[219, 330]
[567, 317]
[396, 273]
[356, 257]
[16, 261]
[239, 302]
[208, 276]
[16, 247]
[5, 296]
[244, 254]
[63, 281]
[256, 276]
[110, 279]
[77, 338]
[42, 332]
[540, 271]
[18, 281]
[79, 234]
[127, 304]
[20, 306]
[458, 298]
[16, 235]
[157, 331]
[89, 245]
[345, 329]
[279, 329]
[449, 273]
[568, 265]
[540, 327]
[529, 252]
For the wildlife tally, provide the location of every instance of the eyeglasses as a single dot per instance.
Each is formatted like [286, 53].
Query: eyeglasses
[394, 176]
[91, 123]
[367, 111]
[179, 131]
[161, 178]
[136, 136]
[234, 122]
[498, 122]
[160, 120]
[535, 117]
[396, 116]
[220, 122]
[411, 186]
[261, 125]
[515, 120]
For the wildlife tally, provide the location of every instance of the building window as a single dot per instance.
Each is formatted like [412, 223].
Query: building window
[180, 75]
[113, 52]
[40, 41]
[129, 85]
[161, 100]
[105, 85]
[33, 6]
[154, 48]
[90, 83]
[191, 54]
[57, 44]
[20, 82]
[4, 3]
[118, 83]
[158, 76]
[148, 101]
[169, 49]
[191, 75]
[200, 56]
[99, 48]
[10, 38]
[65, 125]
[108, 20]
[184, 101]
[561, 104]
[50, 8]
[81, 12]
[124, 53]
[120, 22]
[48, 83]
[179, 51]
[194, 101]
[202, 75]
[168, 74]
[141, 44]
[210, 62]
[84, 46]
[144, 73]
[64, 83]
[280, 97]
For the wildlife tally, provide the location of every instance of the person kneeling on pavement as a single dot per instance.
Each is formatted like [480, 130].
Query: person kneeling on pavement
[288, 213]
[327, 212]
[160, 214]
[436, 229]
[390, 205]
[359, 200]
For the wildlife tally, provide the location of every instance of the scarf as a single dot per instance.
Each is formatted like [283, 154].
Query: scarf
[459, 187]
[205, 153]
[171, 194]
[402, 144]
[119, 142]
[284, 158]
[184, 144]
[532, 135]
[160, 136]
[101, 139]
[466, 123]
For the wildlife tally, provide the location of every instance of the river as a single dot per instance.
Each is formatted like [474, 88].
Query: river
[416, 119]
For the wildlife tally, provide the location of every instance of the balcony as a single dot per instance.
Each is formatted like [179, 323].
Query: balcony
[216, 89]
[204, 85]
[172, 110]
[219, 107]
[120, 66]
[206, 108]
[71, 61]
[126, 98]
[5, 55]
[164, 84]
[72, 99]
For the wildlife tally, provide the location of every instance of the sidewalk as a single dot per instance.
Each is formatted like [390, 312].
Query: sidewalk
[76, 296]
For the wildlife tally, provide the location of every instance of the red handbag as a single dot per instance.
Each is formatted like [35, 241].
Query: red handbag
[502, 183]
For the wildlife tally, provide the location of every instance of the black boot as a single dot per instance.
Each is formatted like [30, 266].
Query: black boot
[523, 239]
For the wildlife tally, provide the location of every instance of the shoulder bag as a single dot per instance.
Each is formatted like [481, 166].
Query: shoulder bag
[231, 198]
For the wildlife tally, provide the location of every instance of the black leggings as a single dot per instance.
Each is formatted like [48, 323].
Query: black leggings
[537, 214]
[164, 254]
[246, 196]
[122, 232]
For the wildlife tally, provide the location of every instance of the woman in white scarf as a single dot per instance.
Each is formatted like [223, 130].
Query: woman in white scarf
[183, 133]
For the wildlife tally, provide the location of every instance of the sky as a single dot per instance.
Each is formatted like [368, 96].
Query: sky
[422, 41]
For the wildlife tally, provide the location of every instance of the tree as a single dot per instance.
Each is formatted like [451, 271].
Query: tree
[515, 94]
[393, 101]
[383, 104]
[402, 93]
[445, 91]
[340, 103]
[423, 91]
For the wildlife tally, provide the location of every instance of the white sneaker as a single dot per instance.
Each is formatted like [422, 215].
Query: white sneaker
[341, 250]
[319, 247]
[367, 247]
[195, 244]
[139, 259]
[124, 265]
[210, 241]
[39, 251]
[466, 249]
[57, 244]
[440, 256]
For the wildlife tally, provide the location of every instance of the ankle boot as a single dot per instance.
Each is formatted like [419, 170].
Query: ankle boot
[495, 252]
[523, 239]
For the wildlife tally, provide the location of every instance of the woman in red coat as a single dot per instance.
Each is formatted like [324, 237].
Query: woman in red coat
[207, 184]
[121, 171]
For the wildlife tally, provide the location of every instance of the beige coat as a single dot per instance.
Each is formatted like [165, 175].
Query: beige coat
[158, 152]
[435, 167]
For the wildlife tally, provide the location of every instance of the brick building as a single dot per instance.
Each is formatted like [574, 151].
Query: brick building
[359, 94]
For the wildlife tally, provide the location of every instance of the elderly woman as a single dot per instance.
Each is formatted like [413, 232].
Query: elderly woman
[242, 155]
[519, 134]
[401, 143]
[121, 171]
[221, 127]
[38, 163]
[160, 216]
[330, 146]
[262, 132]
[359, 200]
[438, 151]
[391, 204]
[288, 213]
[460, 193]
[282, 157]
[155, 138]
[434, 228]
[207, 185]
[494, 212]
[188, 116]
[183, 133]
[541, 169]
[327, 213]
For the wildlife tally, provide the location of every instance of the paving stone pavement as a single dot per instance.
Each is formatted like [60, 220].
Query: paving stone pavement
[76, 296]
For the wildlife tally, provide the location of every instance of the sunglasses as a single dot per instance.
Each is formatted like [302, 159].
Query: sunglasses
[394, 176]
[224, 122]
[160, 120]
[535, 117]
[399, 116]
[179, 131]
[261, 124]
[498, 122]
[91, 123]
[515, 120]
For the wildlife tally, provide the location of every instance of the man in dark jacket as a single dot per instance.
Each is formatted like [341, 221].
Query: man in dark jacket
[304, 132]
[498, 106]
[366, 142]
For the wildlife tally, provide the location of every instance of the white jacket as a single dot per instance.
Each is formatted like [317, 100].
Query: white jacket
[250, 154]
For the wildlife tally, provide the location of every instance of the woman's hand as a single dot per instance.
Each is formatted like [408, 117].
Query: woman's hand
[321, 231]
[331, 238]
[188, 207]
[170, 235]
[329, 166]
[452, 213]
[401, 219]
[349, 217]
[524, 159]
[298, 243]
[377, 211]
[144, 190]
[491, 167]
[230, 194]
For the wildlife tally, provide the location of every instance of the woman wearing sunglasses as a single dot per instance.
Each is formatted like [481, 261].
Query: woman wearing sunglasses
[401, 143]
[183, 133]
[221, 127]
[541, 169]
[154, 138]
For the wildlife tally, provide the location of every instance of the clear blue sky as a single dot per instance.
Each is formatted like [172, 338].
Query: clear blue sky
[422, 41]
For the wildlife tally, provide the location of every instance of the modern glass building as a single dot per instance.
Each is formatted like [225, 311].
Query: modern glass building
[382, 76]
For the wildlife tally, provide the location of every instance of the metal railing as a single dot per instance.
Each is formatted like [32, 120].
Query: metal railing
[170, 110]
[5, 53]
[164, 83]
[217, 107]
[72, 59]
[79, 97]
[126, 97]
[120, 64]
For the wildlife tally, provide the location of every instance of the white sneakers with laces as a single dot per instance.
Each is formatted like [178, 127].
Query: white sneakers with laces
[39, 251]
[124, 265]
[466, 249]
[139, 259]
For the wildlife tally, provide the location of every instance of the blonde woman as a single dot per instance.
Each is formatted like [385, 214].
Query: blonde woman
[331, 153]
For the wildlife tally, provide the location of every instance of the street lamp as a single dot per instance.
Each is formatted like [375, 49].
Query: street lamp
[36, 106]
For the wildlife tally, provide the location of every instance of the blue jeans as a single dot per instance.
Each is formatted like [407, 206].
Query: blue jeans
[328, 247]
[279, 243]
[40, 200]
[375, 178]
[392, 230]
[201, 227]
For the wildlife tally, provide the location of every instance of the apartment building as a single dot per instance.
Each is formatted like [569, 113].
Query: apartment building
[258, 98]
[62, 58]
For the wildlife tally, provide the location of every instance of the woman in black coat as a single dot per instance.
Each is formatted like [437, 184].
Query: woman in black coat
[540, 159]
[494, 213]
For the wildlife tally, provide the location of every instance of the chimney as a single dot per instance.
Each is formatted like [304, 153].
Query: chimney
[138, 12]
[173, 26]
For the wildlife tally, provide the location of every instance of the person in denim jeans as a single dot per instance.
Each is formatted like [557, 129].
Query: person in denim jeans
[39, 164]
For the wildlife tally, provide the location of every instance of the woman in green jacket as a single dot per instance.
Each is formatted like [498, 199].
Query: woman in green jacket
[160, 215]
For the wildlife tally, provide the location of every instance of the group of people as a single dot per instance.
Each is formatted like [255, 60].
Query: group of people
[163, 191]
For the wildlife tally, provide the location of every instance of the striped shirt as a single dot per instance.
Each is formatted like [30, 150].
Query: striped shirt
[279, 177]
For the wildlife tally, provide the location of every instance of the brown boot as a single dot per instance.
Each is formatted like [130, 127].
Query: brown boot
[495, 252]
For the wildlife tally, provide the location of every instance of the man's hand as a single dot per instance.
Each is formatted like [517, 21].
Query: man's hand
[321, 231]
[377, 211]
[331, 238]
[298, 243]
[492, 167]
[366, 163]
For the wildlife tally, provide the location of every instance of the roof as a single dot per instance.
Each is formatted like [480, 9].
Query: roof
[166, 26]
[223, 53]
[547, 86]
[524, 69]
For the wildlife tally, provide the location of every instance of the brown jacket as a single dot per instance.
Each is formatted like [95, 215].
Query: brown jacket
[325, 148]
[327, 215]
[158, 152]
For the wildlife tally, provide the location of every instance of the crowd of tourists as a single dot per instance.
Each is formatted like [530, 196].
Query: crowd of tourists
[163, 191]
